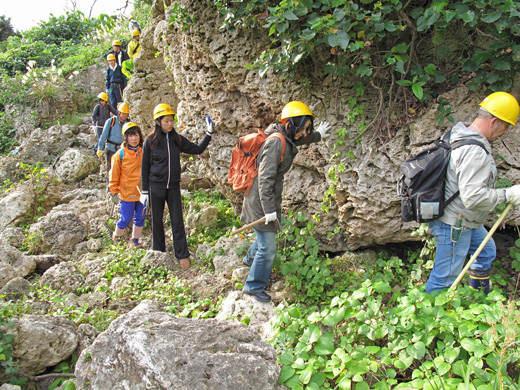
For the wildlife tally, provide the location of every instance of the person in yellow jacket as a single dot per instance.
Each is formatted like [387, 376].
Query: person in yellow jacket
[134, 48]
[125, 180]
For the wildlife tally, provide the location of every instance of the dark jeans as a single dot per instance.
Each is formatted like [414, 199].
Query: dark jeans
[171, 196]
[99, 131]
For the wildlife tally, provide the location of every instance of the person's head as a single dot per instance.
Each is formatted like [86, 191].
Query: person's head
[111, 60]
[298, 120]
[103, 98]
[132, 135]
[497, 112]
[116, 45]
[136, 35]
[164, 117]
[123, 110]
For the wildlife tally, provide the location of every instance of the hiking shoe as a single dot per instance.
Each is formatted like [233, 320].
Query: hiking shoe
[259, 296]
[135, 243]
[184, 263]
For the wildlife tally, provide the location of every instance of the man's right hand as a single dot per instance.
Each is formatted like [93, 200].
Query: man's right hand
[513, 195]
[270, 217]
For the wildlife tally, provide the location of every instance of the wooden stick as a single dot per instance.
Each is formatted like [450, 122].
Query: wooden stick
[484, 242]
[248, 226]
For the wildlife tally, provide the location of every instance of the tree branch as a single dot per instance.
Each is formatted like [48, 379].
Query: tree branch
[46, 376]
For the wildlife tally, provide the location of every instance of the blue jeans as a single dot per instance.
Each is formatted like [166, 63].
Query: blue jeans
[131, 211]
[260, 256]
[99, 131]
[449, 259]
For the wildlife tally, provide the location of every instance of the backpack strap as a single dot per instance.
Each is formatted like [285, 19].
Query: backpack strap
[458, 144]
[121, 154]
[282, 138]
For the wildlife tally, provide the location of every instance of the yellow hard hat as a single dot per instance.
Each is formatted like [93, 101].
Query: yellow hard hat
[103, 96]
[135, 32]
[293, 109]
[111, 57]
[117, 42]
[503, 106]
[128, 126]
[162, 110]
[123, 108]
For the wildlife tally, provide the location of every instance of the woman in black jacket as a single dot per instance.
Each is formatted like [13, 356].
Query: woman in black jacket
[161, 175]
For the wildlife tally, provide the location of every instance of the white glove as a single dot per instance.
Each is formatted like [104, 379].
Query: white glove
[209, 125]
[144, 198]
[270, 217]
[114, 198]
[513, 195]
[323, 128]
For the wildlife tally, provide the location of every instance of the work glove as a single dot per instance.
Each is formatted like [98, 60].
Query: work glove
[323, 128]
[270, 217]
[99, 153]
[209, 125]
[144, 198]
[114, 198]
[513, 195]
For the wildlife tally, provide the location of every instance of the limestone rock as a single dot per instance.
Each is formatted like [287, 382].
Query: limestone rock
[42, 341]
[241, 306]
[205, 66]
[206, 216]
[74, 165]
[44, 262]
[14, 236]
[90, 79]
[60, 232]
[16, 207]
[210, 286]
[13, 264]
[226, 258]
[156, 259]
[86, 336]
[7, 386]
[63, 277]
[16, 288]
[150, 349]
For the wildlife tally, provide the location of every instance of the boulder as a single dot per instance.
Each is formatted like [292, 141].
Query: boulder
[60, 232]
[44, 262]
[16, 288]
[86, 336]
[206, 216]
[14, 236]
[90, 79]
[210, 286]
[63, 277]
[13, 264]
[149, 349]
[226, 258]
[42, 341]
[74, 165]
[156, 259]
[241, 306]
[17, 206]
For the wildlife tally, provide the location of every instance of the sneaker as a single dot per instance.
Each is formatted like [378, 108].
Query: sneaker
[259, 296]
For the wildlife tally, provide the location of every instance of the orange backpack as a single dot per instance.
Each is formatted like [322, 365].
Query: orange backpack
[242, 169]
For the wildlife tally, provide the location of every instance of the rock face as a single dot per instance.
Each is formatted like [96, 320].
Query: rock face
[150, 349]
[205, 66]
[13, 264]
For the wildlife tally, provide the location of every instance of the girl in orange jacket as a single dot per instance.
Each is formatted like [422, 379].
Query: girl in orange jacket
[125, 180]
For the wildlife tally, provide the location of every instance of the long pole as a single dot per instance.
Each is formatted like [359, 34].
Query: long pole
[484, 242]
[234, 232]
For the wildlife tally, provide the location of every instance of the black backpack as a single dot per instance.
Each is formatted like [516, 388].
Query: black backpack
[423, 178]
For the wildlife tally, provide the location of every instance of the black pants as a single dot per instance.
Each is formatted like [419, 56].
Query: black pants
[172, 196]
[108, 156]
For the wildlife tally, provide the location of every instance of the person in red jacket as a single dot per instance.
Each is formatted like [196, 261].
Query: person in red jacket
[125, 180]
[161, 176]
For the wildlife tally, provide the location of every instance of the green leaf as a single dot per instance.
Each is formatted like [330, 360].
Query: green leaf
[382, 287]
[404, 83]
[362, 386]
[306, 374]
[430, 69]
[502, 63]
[491, 17]
[325, 345]
[470, 345]
[335, 316]
[286, 358]
[289, 15]
[307, 34]
[294, 312]
[418, 91]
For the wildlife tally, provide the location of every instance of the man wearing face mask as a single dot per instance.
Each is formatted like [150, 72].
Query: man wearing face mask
[265, 197]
